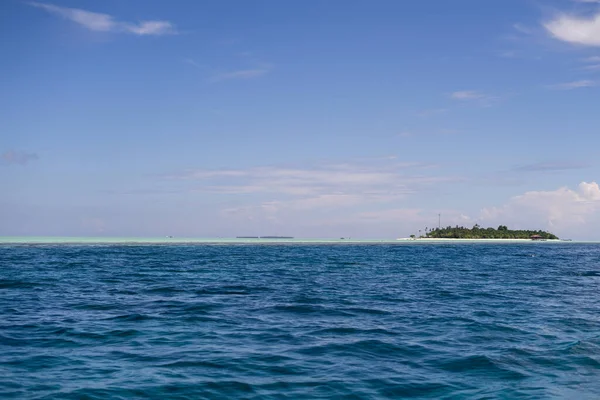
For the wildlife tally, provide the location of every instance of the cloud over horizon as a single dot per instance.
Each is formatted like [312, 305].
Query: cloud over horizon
[386, 181]
[312, 195]
[562, 210]
[99, 22]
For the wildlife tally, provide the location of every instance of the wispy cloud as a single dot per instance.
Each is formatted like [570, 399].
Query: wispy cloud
[445, 131]
[241, 74]
[150, 28]
[99, 22]
[323, 199]
[330, 185]
[592, 67]
[575, 30]
[474, 96]
[509, 54]
[591, 63]
[523, 29]
[17, 157]
[574, 85]
[193, 63]
[551, 166]
[467, 95]
[431, 112]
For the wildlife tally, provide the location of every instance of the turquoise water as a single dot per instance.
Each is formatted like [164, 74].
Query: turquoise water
[177, 240]
[300, 321]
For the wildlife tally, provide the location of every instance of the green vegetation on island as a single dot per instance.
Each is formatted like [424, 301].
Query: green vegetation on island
[477, 232]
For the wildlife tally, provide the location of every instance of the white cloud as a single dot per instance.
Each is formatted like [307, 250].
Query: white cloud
[590, 191]
[574, 85]
[564, 211]
[99, 22]
[17, 157]
[575, 30]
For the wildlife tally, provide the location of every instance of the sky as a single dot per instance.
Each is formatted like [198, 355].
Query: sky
[363, 119]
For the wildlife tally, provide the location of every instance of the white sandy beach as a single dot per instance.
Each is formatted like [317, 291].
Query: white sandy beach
[433, 240]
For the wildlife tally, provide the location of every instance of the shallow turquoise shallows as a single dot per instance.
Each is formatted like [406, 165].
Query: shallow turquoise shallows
[299, 321]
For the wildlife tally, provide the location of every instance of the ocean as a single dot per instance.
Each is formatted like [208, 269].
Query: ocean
[299, 321]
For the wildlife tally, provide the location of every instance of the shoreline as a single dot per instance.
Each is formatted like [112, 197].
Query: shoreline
[49, 240]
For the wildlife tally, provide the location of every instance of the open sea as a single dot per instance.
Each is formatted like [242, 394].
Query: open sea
[300, 321]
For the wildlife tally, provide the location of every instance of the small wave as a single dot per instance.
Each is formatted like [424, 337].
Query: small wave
[308, 309]
[371, 348]
[231, 290]
[373, 311]
[199, 308]
[131, 318]
[10, 341]
[351, 331]
[16, 284]
[588, 273]
[101, 394]
[134, 357]
[480, 364]
[163, 290]
[388, 389]
[191, 364]
[39, 362]
[114, 335]
[96, 306]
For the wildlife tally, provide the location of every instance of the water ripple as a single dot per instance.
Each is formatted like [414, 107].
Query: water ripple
[300, 321]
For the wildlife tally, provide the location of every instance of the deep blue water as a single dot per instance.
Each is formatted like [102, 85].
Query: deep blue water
[447, 321]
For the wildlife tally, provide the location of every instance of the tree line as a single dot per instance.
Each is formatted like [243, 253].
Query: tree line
[477, 232]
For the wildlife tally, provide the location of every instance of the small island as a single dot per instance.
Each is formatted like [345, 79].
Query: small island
[477, 232]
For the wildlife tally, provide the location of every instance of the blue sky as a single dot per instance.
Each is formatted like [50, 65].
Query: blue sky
[312, 118]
